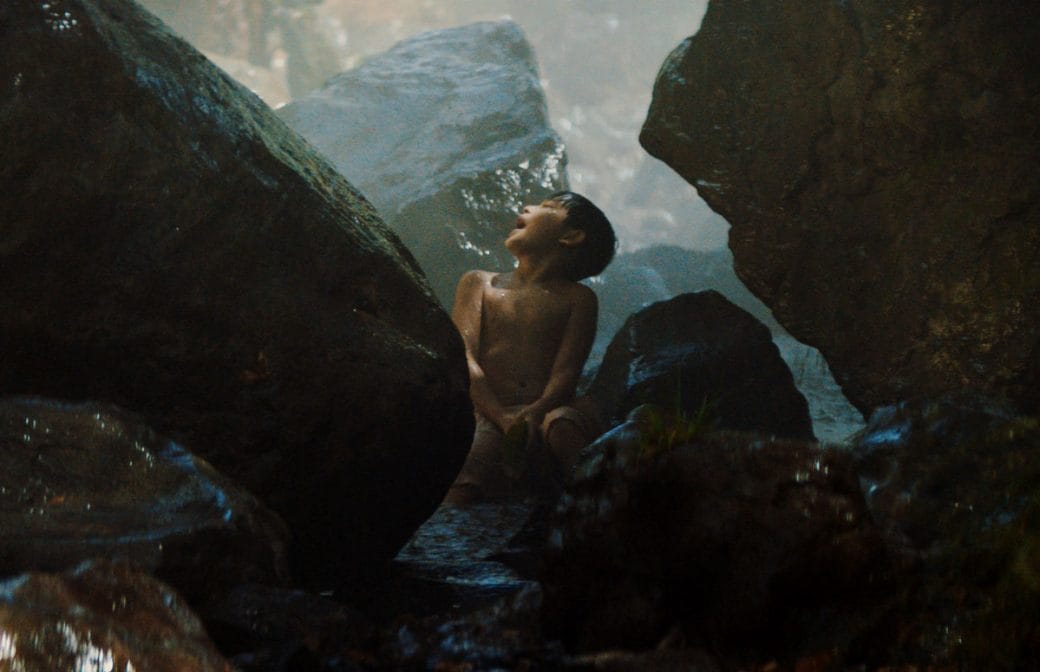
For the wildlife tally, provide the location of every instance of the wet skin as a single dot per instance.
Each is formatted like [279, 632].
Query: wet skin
[527, 333]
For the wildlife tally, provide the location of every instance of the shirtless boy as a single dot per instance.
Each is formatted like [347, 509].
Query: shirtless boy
[527, 335]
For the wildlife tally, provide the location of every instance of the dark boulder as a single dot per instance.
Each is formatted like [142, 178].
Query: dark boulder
[953, 485]
[876, 162]
[699, 353]
[636, 279]
[84, 481]
[101, 616]
[503, 636]
[170, 246]
[746, 543]
[447, 133]
[265, 628]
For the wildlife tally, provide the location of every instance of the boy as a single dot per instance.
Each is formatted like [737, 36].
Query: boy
[527, 335]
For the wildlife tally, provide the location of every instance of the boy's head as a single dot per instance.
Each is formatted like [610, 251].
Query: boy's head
[599, 244]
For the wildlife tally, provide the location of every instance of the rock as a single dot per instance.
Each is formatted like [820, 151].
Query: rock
[100, 616]
[270, 628]
[84, 481]
[834, 419]
[746, 543]
[458, 556]
[952, 483]
[503, 636]
[876, 162]
[699, 351]
[170, 246]
[636, 279]
[657, 660]
[447, 134]
[599, 60]
[267, 83]
[925, 459]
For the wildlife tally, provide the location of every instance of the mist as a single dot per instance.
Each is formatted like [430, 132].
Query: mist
[597, 59]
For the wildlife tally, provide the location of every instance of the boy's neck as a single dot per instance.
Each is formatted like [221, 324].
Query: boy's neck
[530, 271]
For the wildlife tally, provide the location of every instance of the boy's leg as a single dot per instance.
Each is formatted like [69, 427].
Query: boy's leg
[484, 475]
[567, 430]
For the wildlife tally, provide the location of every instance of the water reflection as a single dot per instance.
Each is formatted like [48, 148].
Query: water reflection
[88, 657]
[77, 653]
[57, 18]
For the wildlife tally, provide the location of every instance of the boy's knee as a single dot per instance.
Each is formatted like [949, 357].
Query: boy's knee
[565, 438]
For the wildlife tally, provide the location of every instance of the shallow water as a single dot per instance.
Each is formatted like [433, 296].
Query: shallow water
[465, 557]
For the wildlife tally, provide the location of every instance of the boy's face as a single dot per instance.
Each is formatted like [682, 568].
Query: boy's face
[539, 227]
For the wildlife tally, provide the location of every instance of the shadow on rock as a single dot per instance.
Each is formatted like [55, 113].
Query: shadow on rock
[697, 351]
[954, 485]
[746, 544]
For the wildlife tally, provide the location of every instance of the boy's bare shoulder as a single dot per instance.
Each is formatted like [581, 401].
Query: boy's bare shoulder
[475, 278]
[580, 297]
[579, 292]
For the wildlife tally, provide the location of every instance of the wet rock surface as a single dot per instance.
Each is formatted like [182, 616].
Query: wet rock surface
[953, 484]
[699, 353]
[875, 161]
[87, 480]
[634, 280]
[464, 550]
[172, 247]
[667, 546]
[447, 134]
[263, 628]
[746, 544]
[763, 552]
[100, 616]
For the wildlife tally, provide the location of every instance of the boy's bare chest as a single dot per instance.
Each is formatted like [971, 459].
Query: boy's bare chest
[528, 311]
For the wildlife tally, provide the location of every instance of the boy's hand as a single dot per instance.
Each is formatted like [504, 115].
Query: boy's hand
[515, 448]
[534, 418]
[527, 416]
[508, 419]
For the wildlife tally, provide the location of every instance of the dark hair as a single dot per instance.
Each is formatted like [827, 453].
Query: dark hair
[600, 242]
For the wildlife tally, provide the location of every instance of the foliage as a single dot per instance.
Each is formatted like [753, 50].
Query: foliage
[662, 430]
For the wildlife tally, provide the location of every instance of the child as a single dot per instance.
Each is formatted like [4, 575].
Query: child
[527, 335]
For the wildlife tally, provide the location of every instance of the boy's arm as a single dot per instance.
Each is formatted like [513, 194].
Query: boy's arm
[466, 314]
[577, 340]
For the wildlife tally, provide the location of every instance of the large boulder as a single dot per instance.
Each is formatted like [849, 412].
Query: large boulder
[170, 246]
[876, 161]
[447, 134]
[101, 616]
[742, 542]
[634, 280]
[953, 483]
[84, 481]
[700, 355]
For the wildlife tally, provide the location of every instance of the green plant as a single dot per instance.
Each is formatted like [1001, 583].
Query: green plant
[662, 430]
